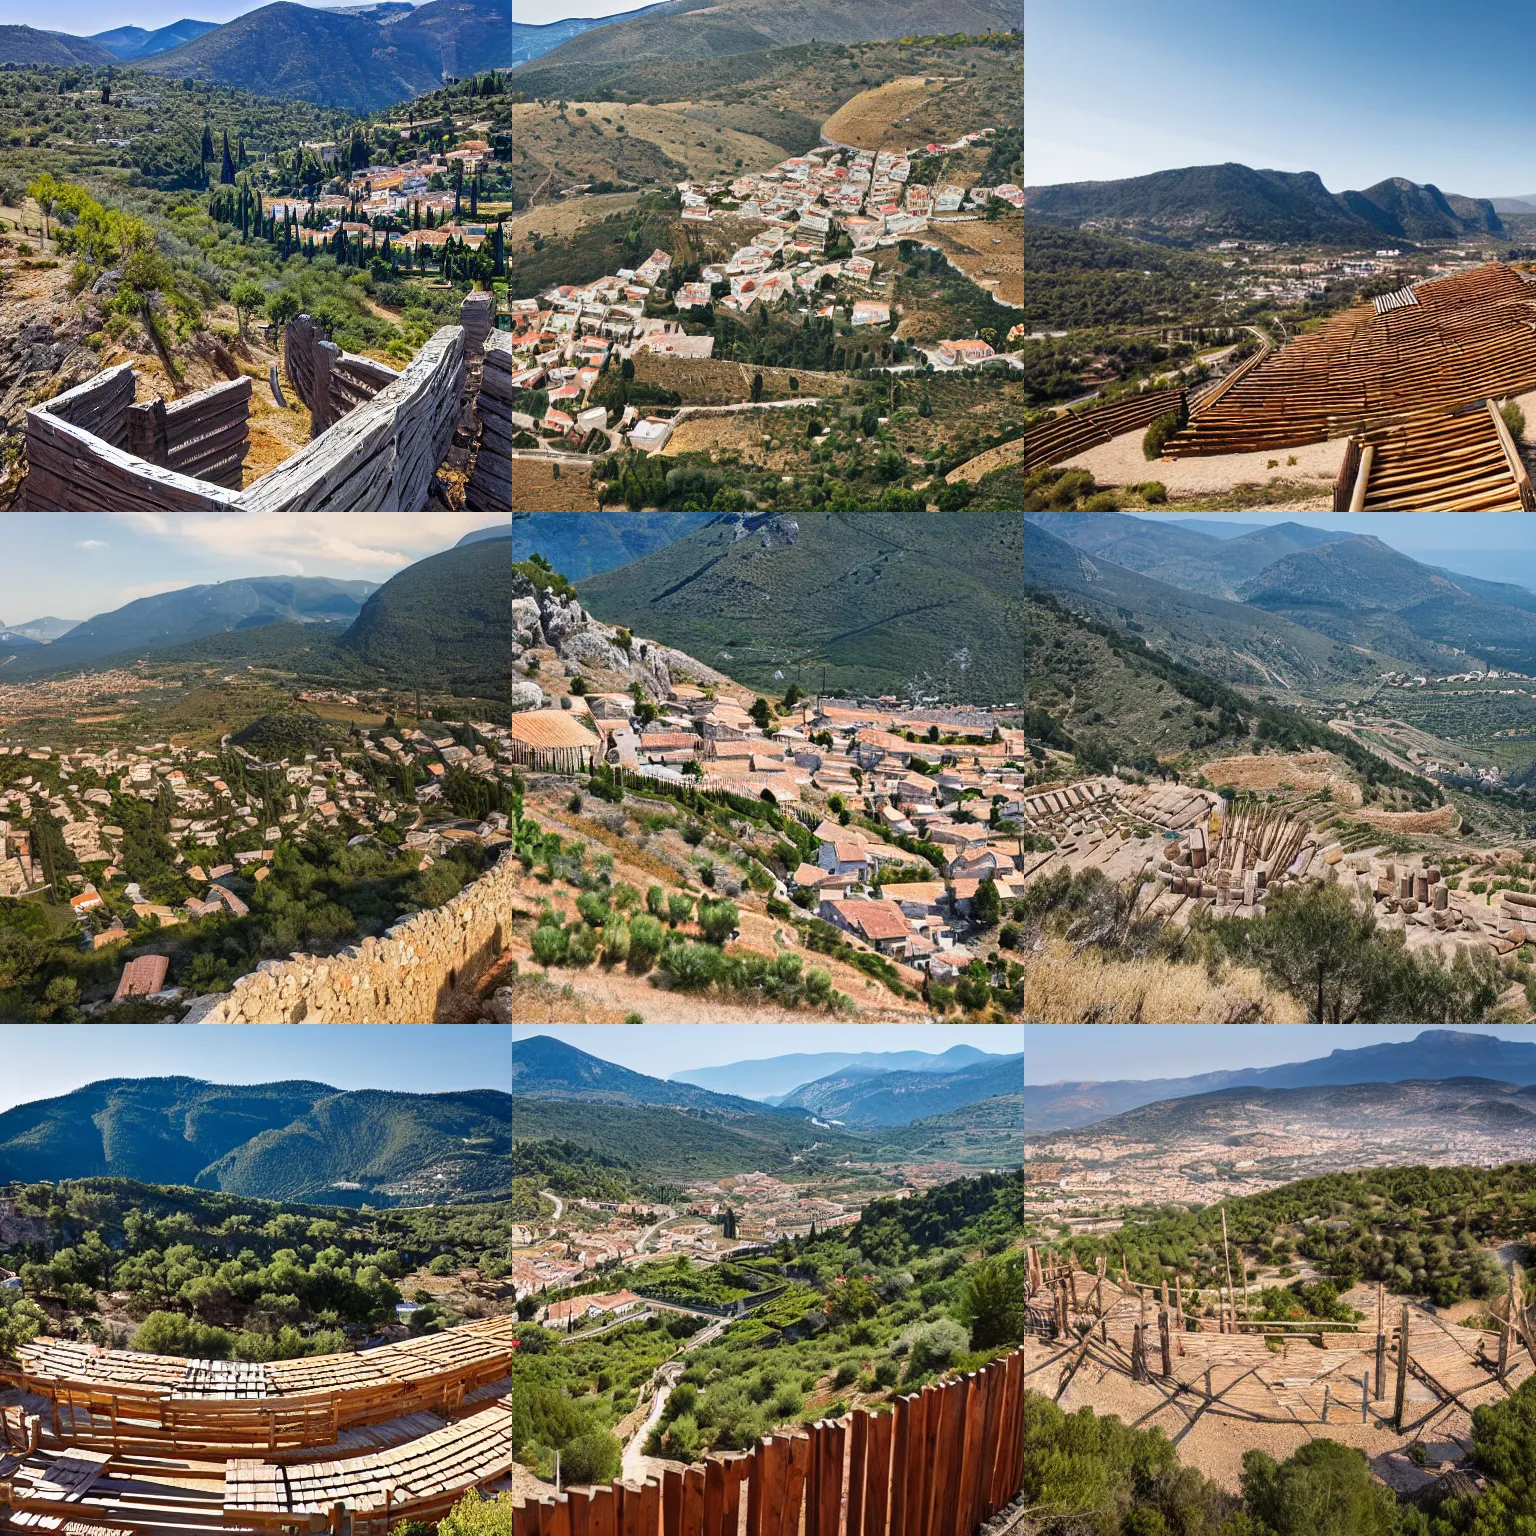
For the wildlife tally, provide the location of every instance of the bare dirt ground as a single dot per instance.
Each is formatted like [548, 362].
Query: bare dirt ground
[598, 994]
[1121, 462]
[874, 119]
[536, 488]
[990, 254]
[718, 381]
[1442, 819]
[588, 148]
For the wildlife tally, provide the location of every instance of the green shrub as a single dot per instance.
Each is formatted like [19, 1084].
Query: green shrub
[1158, 434]
[1514, 418]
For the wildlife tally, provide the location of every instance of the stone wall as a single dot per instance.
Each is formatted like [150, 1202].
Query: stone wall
[402, 978]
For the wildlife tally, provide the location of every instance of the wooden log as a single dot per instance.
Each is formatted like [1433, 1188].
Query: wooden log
[277, 388]
[148, 434]
[102, 478]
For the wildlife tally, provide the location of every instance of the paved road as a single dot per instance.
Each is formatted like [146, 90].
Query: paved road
[549, 1194]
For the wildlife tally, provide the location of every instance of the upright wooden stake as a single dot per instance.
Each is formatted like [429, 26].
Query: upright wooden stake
[1402, 1371]
[1163, 1339]
[1227, 1255]
[1507, 1329]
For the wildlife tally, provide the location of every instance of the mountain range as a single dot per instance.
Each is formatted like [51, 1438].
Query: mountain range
[857, 1098]
[887, 604]
[133, 43]
[361, 57]
[707, 29]
[532, 42]
[1432, 1054]
[579, 547]
[675, 1129]
[1304, 605]
[42, 631]
[170, 618]
[434, 624]
[1235, 201]
[278, 1141]
[772, 1077]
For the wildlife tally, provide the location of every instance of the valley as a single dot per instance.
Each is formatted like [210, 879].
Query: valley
[1342, 736]
[769, 767]
[672, 1313]
[659, 231]
[203, 780]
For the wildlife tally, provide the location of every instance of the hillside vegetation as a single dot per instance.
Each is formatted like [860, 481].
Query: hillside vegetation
[870, 596]
[275, 1141]
[181, 1272]
[437, 622]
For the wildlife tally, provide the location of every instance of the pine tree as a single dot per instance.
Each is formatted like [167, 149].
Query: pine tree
[207, 144]
[227, 169]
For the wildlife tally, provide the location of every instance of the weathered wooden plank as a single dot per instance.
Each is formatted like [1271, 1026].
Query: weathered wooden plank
[107, 479]
[208, 401]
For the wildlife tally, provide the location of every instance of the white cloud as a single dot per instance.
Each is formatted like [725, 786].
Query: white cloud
[90, 544]
[366, 544]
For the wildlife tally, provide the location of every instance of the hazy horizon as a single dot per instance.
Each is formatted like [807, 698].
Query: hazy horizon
[660, 1049]
[90, 563]
[85, 18]
[1102, 1053]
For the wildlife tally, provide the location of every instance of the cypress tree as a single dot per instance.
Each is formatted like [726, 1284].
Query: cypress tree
[227, 169]
[207, 144]
[458, 186]
[416, 214]
[474, 196]
[241, 152]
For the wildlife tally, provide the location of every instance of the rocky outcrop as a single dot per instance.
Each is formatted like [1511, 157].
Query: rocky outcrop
[559, 622]
[404, 977]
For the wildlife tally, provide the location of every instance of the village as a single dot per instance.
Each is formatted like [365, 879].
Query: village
[565, 339]
[937, 776]
[388, 789]
[586, 1237]
[415, 207]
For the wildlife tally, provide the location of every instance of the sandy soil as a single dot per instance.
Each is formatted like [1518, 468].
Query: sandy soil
[1442, 819]
[1121, 462]
[984, 463]
[873, 119]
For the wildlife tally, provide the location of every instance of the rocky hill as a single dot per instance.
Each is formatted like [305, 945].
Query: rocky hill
[703, 29]
[1235, 201]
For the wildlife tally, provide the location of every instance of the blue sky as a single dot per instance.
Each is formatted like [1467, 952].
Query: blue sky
[77, 565]
[1356, 92]
[41, 1063]
[1495, 546]
[661, 1049]
[1055, 1053]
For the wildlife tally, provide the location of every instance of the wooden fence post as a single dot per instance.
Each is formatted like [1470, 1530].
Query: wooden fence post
[877, 1478]
[320, 412]
[1402, 1371]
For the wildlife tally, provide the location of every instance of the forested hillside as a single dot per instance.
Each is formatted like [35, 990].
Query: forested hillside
[278, 1140]
[1420, 1231]
[441, 623]
[180, 1271]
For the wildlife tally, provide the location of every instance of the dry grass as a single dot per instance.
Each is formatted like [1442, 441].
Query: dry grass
[990, 254]
[1442, 819]
[536, 488]
[566, 216]
[984, 463]
[877, 119]
[1061, 987]
[1302, 771]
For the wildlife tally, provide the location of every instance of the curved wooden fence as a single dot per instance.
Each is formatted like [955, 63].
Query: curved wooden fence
[944, 1461]
[490, 486]
[1049, 442]
[92, 449]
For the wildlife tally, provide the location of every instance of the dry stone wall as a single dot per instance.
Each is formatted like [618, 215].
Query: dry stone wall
[402, 978]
